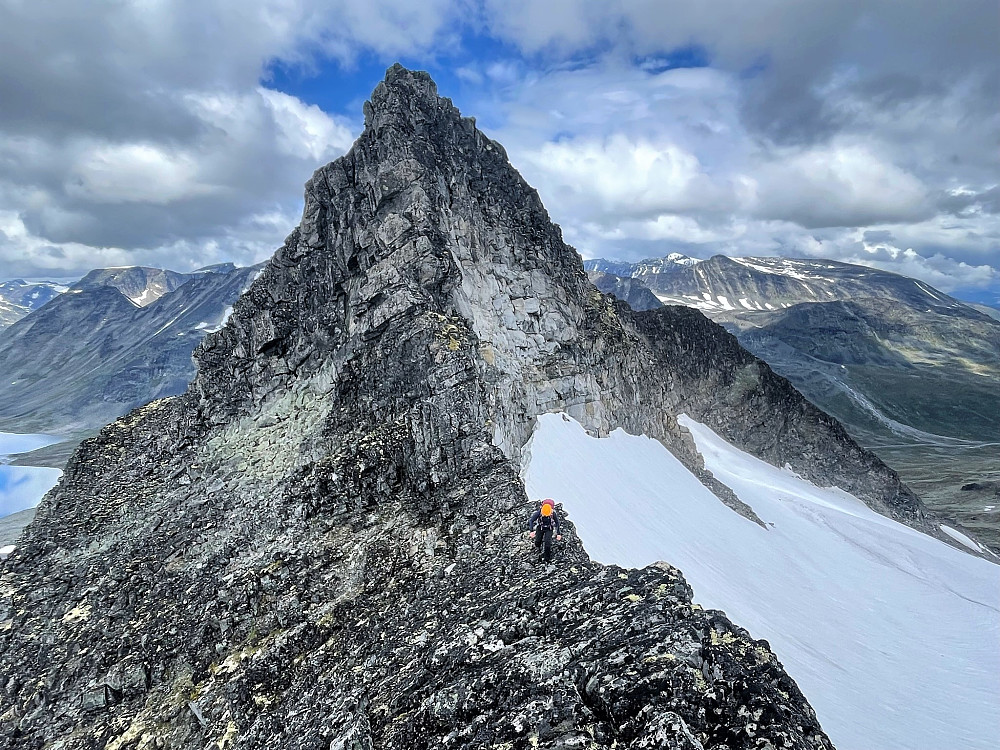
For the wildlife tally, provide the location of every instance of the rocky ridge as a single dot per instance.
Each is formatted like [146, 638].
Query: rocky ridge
[312, 546]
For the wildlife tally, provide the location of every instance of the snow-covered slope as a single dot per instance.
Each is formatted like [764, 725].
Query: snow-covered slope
[892, 635]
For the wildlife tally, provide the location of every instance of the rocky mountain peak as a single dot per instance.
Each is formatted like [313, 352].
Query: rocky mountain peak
[406, 98]
[317, 544]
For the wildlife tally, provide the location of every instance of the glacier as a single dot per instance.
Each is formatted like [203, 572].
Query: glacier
[891, 634]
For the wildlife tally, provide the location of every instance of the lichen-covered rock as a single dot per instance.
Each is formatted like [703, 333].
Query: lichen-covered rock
[321, 544]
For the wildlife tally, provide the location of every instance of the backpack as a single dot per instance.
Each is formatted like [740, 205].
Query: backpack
[546, 522]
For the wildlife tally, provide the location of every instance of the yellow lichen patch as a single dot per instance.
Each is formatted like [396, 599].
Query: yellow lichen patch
[633, 597]
[264, 701]
[449, 333]
[226, 740]
[137, 732]
[79, 613]
[722, 639]
[272, 568]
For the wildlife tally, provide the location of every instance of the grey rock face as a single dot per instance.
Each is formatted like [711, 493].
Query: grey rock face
[320, 544]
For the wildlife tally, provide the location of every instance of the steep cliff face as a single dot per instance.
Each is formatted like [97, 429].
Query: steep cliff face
[425, 215]
[318, 545]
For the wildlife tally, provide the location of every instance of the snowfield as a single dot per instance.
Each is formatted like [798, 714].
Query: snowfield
[891, 634]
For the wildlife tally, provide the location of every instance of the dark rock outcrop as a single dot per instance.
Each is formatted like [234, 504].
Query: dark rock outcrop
[634, 293]
[317, 545]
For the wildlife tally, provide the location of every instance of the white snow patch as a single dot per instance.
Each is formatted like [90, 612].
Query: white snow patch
[7, 551]
[746, 303]
[959, 537]
[169, 323]
[929, 291]
[724, 302]
[890, 634]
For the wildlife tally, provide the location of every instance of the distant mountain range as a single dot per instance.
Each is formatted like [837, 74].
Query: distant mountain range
[19, 297]
[852, 338]
[911, 371]
[116, 339]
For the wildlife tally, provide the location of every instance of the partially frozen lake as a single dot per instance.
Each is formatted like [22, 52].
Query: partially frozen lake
[24, 486]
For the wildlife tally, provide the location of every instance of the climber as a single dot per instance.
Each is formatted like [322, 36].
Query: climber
[541, 525]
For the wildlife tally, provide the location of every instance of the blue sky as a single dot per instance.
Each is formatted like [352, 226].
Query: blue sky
[179, 134]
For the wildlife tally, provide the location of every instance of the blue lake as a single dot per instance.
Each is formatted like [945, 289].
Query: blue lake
[11, 443]
[24, 486]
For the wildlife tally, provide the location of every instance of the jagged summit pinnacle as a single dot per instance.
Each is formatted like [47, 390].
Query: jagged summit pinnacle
[317, 545]
[405, 95]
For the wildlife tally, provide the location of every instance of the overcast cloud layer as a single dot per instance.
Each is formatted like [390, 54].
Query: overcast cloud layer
[156, 132]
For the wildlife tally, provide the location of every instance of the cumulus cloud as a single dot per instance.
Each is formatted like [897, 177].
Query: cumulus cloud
[141, 130]
[634, 162]
[618, 176]
[797, 52]
[150, 132]
[837, 185]
[942, 272]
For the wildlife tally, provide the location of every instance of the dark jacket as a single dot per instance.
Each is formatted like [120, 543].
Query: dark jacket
[542, 522]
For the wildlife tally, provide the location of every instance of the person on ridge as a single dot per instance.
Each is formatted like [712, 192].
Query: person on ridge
[542, 524]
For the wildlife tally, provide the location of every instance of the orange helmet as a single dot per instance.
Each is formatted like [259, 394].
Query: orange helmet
[547, 508]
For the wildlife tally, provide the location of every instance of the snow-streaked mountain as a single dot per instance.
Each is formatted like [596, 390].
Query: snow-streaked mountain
[892, 634]
[19, 297]
[722, 283]
[911, 371]
[116, 339]
[649, 267]
[141, 285]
